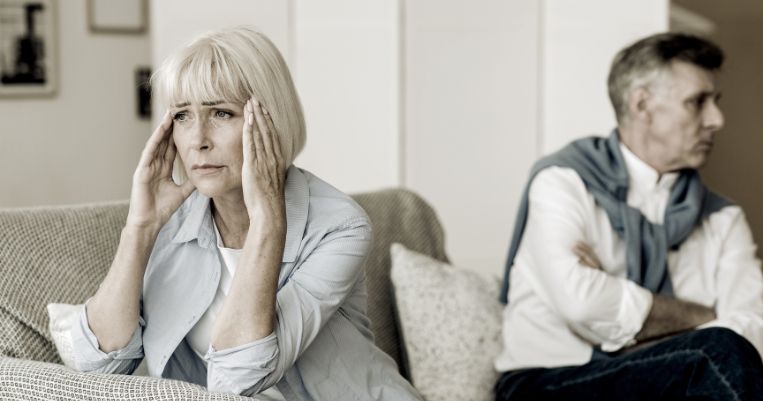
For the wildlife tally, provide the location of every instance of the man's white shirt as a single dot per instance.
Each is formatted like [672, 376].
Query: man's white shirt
[559, 309]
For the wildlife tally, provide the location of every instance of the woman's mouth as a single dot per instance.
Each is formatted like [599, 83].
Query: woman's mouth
[206, 169]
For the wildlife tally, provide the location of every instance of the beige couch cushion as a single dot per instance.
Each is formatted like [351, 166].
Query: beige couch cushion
[403, 217]
[57, 254]
[451, 323]
[39, 381]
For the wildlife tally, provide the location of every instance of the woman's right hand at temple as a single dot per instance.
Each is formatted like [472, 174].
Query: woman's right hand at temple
[114, 311]
[155, 196]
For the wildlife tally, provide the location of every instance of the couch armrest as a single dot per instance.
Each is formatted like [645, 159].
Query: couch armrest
[22, 379]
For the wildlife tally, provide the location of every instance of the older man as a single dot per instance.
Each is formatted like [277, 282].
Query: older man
[629, 279]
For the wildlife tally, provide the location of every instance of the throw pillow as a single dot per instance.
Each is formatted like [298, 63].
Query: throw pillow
[62, 318]
[450, 320]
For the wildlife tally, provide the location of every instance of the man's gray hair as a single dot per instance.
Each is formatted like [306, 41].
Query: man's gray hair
[639, 64]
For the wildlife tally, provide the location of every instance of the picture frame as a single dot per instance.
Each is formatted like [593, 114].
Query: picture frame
[28, 48]
[117, 17]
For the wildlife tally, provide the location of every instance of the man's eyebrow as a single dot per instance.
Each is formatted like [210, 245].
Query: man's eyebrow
[716, 94]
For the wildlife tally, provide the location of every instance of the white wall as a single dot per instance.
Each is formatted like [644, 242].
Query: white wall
[472, 117]
[580, 39]
[347, 58]
[80, 145]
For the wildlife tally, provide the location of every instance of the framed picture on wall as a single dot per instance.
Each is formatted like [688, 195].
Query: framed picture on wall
[123, 16]
[28, 48]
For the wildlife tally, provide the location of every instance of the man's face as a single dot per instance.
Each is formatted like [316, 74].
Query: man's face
[682, 117]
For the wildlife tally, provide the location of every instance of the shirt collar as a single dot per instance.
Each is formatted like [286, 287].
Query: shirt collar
[198, 225]
[643, 177]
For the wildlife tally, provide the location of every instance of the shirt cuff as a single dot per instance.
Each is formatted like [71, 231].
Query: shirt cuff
[238, 369]
[88, 354]
[635, 304]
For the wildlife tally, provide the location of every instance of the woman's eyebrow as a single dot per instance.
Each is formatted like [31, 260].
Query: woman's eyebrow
[212, 103]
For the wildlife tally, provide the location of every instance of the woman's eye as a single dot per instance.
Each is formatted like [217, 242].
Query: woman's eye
[180, 116]
[222, 114]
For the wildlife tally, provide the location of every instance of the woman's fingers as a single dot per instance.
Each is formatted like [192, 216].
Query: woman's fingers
[267, 135]
[156, 139]
[275, 139]
[247, 140]
[260, 129]
[170, 153]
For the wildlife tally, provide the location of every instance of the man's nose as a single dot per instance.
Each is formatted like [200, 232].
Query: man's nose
[714, 117]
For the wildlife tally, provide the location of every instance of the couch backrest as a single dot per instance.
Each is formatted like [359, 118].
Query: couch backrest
[397, 216]
[51, 254]
[61, 254]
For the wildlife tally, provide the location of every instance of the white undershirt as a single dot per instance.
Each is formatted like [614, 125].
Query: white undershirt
[200, 334]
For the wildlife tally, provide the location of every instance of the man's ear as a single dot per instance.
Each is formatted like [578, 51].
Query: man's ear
[638, 104]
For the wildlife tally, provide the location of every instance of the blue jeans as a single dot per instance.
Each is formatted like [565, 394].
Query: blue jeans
[709, 364]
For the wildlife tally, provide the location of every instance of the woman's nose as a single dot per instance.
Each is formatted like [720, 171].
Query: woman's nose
[200, 134]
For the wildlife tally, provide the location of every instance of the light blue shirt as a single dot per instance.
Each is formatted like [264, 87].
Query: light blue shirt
[322, 345]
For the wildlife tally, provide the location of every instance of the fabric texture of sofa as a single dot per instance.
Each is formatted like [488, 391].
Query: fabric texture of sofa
[61, 254]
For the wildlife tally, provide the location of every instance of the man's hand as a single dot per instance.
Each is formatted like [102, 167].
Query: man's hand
[586, 255]
[667, 316]
[672, 316]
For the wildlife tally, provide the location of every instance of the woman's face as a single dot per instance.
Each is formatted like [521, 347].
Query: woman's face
[208, 139]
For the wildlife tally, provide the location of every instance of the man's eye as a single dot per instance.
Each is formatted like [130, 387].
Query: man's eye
[698, 103]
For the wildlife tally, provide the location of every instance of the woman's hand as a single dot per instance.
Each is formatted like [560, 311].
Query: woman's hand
[264, 169]
[155, 196]
[249, 311]
[586, 256]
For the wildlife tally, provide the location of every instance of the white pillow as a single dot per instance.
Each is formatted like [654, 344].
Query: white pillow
[62, 318]
[451, 325]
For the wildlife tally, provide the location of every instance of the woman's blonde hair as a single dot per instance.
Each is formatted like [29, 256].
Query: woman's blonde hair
[232, 65]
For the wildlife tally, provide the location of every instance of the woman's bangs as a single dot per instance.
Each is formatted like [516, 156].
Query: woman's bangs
[205, 78]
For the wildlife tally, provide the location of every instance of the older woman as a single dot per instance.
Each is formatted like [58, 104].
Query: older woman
[246, 277]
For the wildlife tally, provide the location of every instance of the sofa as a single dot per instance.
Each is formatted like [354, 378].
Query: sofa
[61, 254]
